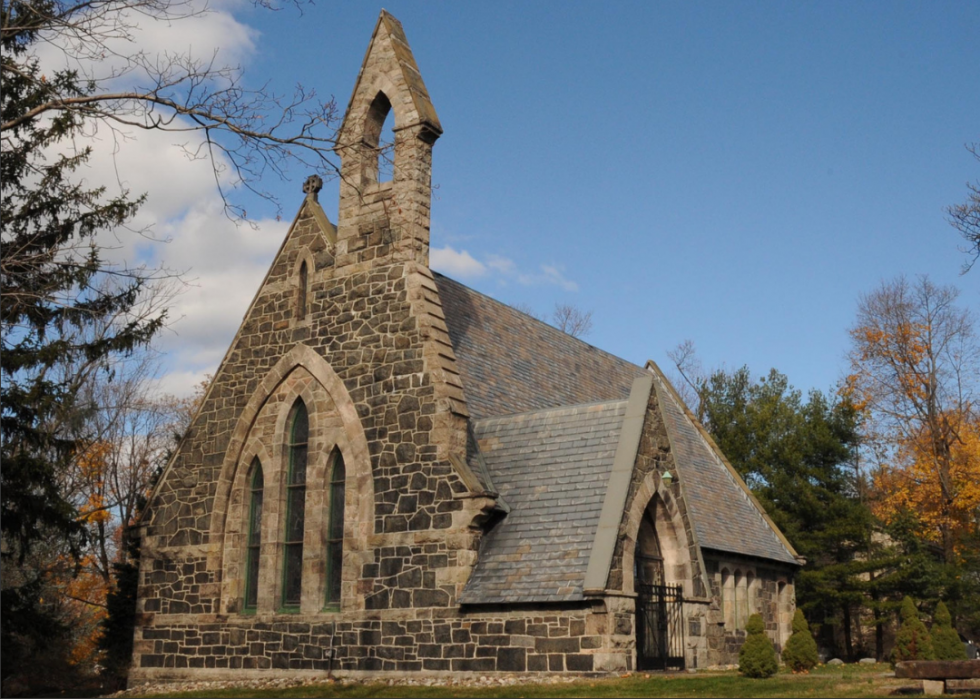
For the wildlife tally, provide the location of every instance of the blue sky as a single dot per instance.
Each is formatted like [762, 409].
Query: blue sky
[736, 174]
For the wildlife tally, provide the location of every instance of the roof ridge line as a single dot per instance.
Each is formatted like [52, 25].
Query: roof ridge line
[618, 485]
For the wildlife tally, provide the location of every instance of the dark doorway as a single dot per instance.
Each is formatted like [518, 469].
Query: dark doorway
[659, 606]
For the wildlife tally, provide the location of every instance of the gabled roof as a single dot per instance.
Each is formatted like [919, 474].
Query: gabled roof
[547, 411]
[513, 363]
[726, 515]
[552, 468]
[424, 112]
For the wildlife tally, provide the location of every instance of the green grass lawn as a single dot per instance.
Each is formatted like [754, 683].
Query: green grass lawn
[839, 681]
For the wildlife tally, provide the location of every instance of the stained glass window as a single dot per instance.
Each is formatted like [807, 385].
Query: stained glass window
[297, 451]
[254, 541]
[335, 530]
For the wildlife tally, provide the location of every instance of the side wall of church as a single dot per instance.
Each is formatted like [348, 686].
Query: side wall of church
[740, 587]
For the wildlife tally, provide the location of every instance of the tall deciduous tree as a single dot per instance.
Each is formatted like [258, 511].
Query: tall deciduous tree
[965, 217]
[66, 313]
[914, 373]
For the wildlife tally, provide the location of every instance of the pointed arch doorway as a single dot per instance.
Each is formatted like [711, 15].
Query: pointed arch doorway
[659, 604]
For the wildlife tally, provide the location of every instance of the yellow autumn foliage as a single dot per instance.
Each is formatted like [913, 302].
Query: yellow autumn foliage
[914, 483]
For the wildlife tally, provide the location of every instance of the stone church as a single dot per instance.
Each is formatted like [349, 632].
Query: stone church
[394, 473]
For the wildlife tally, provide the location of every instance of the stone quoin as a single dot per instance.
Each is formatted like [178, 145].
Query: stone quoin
[392, 473]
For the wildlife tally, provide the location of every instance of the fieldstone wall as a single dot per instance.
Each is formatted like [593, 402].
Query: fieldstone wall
[763, 588]
[448, 641]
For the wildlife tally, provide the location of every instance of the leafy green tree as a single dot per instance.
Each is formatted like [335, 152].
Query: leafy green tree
[757, 657]
[912, 642]
[946, 642]
[800, 652]
[798, 456]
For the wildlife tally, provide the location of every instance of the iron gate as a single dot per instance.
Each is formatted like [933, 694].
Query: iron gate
[659, 627]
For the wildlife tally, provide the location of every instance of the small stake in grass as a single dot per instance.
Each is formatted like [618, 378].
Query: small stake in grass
[757, 657]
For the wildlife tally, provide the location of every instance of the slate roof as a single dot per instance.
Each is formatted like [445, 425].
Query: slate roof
[513, 363]
[551, 467]
[724, 515]
[546, 415]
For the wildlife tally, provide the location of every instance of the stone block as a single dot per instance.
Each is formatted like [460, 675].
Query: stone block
[609, 662]
[971, 686]
[933, 687]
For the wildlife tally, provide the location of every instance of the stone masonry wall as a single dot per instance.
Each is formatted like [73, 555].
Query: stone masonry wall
[771, 594]
[440, 641]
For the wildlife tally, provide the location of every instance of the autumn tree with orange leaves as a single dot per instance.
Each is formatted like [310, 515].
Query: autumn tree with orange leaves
[914, 361]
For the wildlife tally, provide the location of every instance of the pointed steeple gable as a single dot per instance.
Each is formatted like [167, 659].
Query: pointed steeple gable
[382, 220]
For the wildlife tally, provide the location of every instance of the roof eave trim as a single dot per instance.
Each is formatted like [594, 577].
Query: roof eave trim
[604, 544]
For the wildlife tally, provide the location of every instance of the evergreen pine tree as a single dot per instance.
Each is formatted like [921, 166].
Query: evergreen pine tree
[946, 642]
[912, 642]
[757, 657]
[800, 653]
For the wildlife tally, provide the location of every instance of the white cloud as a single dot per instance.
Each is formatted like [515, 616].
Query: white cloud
[553, 275]
[463, 265]
[222, 263]
[456, 263]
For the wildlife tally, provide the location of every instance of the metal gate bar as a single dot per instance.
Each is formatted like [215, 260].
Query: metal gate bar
[660, 627]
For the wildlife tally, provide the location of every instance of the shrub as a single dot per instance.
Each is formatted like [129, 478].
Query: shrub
[946, 644]
[912, 642]
[800, 653]
[757, 658]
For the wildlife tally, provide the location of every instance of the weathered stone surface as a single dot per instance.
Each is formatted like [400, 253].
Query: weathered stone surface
[938, 669]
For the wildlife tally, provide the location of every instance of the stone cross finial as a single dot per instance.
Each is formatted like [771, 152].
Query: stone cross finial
[313, 185]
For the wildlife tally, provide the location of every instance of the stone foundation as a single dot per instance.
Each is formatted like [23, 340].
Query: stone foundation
[440, 641]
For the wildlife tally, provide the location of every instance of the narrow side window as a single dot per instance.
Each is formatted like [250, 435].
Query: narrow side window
[254, 544]
[296, 450]
[335, 531]
[301, 291]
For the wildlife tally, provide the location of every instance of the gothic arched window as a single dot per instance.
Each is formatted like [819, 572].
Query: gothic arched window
[254, 541]
[378, 161]
[335, 530]
[297, 448]
[303, 283]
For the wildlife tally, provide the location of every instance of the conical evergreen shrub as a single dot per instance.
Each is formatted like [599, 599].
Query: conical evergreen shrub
[757, 657]
[946, 642]
[912, 642]
[800, 653]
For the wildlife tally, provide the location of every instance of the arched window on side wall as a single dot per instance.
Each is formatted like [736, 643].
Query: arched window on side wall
[254, 542]
[302, 288]
[728, 598]
[297, 448]
[335, 530]
[740, 615]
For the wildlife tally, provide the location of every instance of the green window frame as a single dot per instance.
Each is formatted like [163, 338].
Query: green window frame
[335, 531]
[297, 449]
[254, 541]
